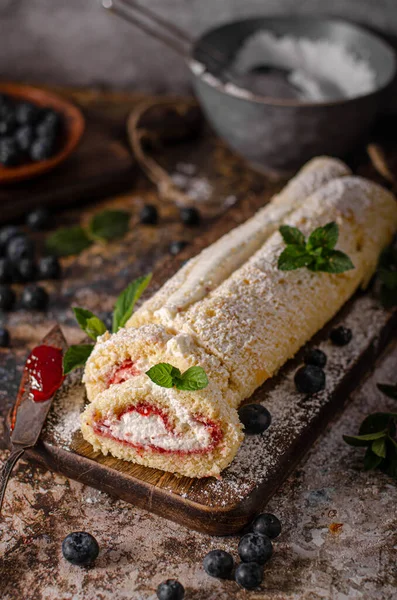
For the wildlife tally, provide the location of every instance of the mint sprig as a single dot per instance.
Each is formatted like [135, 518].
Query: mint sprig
[104, 226]
[126, 301]
[378, 434]
[76, 356]
[317, 253]
[168, 376]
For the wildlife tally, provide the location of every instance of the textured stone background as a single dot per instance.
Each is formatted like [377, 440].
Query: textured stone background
[77, 42]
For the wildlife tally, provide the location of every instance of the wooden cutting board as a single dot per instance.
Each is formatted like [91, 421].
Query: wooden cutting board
[226, 505]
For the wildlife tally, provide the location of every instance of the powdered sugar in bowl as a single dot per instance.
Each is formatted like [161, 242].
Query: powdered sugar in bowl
[285, 89]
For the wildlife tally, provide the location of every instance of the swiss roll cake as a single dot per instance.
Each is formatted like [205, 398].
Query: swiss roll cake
[260, 316]
[241, 328]
[218, 261]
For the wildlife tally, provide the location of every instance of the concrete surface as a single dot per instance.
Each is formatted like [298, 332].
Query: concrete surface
[78, 43]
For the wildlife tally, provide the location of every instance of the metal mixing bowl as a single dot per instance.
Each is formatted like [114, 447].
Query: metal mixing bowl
[282, 134]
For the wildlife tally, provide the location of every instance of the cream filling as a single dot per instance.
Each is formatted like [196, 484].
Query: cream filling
[150, 430]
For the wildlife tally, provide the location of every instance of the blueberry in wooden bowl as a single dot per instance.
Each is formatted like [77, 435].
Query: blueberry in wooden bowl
[38, 131]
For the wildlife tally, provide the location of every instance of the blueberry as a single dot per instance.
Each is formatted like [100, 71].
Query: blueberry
[4, 338]
[190, 216]
[20, 247]
[34, 297]
[176, 247]
[7, 297]
[249, 575]
[218, 563]
[80, 548]
[49, 268]
[26, 113]
[5, 270]
[10, 154]
[254, 547]
[25, 270]
[38, 219]
[7, 123]
[24, 137]
[49, 125]
[255, 418]
[267, 524]
[340, 336]
[170, 590]
[148, 215]
[42, 149]
[7, 233]
[315, 356]
[310, 379]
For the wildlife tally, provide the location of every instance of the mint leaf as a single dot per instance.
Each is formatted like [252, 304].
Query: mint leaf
[376, 422]
[292, 235]
[378, 447]
[89, 323]
[335, 261]
[67, 241]
[293, 257]
[126, 301]
[163, 374]
[388, 278]
[76, 356]
[324, 237]
[195, 378]
[362, 440]
[109, 225]
[388, 297]
[388, 390]
[371, 460]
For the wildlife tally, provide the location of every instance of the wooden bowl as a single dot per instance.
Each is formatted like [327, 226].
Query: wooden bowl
[73, 130]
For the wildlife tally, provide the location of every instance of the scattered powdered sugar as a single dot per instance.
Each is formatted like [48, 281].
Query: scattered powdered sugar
[64, 418]
[196, 187]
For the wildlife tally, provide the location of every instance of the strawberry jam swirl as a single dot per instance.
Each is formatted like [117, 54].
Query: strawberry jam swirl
[123, 372]
[202, 435]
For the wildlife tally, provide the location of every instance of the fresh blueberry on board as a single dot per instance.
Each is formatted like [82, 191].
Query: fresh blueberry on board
[148, 215]
[190, 216]
[249, 575]
[177, 246]
[5, 270]
[25, 270]
[80, 548]
[4, 338]
[20, 247]
[49, 268]
[267, 524]
[34, 297]
[7, 297]
[255, 547]
[170, 590]
[309, 379]
[218, 563]
[255, 418]
[38, 219]
[340, 336]
[316, 357]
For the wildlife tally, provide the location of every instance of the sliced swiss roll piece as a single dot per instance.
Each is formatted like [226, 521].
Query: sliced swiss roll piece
[195, 434]
[206, 271]
[129, 353]
[260, 316]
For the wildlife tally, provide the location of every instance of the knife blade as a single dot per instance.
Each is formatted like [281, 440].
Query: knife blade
[28, 417]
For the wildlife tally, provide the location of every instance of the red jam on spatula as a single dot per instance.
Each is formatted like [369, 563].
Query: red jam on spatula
[44, 366]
